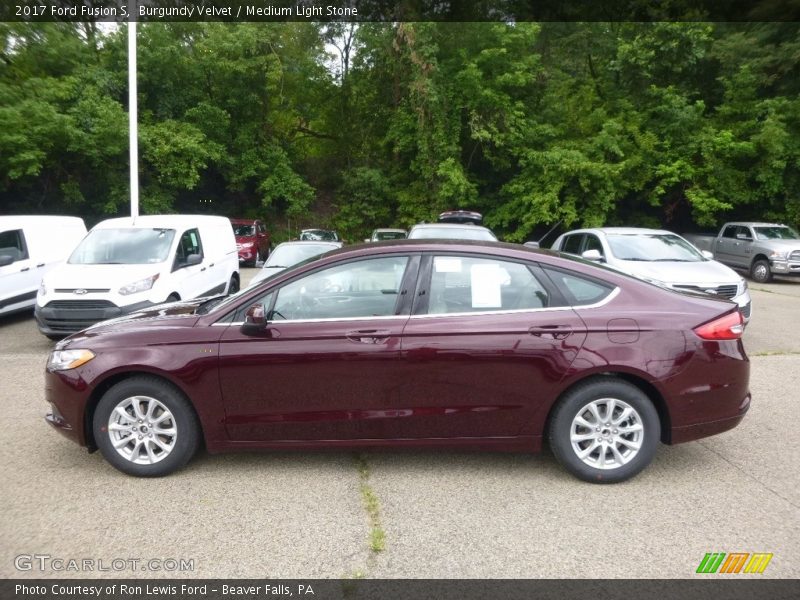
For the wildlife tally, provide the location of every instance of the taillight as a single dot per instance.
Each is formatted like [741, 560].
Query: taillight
[728, 327]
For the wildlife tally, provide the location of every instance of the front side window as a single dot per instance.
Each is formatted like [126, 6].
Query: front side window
[188, 244]
[124, 246]
[358, 289]
[462, 284]
[12, 243]
[572, 244]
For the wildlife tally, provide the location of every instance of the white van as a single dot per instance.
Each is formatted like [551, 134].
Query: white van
[30, 246]
[125, 265]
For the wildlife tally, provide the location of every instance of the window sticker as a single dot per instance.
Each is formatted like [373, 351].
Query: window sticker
[485, 281]
[447, 264]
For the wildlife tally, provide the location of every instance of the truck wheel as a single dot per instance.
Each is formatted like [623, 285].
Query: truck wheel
[760, 271]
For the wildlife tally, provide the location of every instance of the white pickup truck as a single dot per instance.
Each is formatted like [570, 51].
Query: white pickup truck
[761, 249]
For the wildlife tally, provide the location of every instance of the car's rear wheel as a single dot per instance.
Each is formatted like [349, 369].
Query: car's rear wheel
[144, 426]
[604, 431]
[760, 271]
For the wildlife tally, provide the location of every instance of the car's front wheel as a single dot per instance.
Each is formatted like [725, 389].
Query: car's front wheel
[604, 431]
[144, 426]
[760, 271]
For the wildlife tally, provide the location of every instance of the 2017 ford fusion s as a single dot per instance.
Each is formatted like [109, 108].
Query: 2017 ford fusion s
[411, 343]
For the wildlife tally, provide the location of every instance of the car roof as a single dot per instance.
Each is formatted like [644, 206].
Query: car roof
[388, 229]
[449, 226]
[621, 231]
[158, 221]
[310, 243]
[245, 221]
[756, 224]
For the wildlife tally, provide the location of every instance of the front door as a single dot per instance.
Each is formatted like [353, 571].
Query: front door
[326, 368]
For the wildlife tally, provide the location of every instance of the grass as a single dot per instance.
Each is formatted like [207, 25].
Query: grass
[775, 353]
[377, 536]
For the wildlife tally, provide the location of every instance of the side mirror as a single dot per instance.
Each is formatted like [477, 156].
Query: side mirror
[531, 244]
[255, 320]
[6, 259]
[593, 255]
[193, 259]
[706, 254]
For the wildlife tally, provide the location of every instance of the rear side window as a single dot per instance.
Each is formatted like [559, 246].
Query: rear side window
[12, 243]
[462, 284]
[577, 289]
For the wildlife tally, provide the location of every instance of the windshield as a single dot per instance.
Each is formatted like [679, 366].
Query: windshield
[286, 256]
[130, 246]
[653, 247]
[453, 233]
[319, 235]
[244, 230]
[389, 235]
[776, 233]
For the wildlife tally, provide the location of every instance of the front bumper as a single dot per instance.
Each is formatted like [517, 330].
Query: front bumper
[66, 392]
[785, 267]
[64, 317]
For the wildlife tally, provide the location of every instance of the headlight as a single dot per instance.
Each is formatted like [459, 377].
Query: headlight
[779, 255]
[42, 289]
[63, 360]
[138, 286]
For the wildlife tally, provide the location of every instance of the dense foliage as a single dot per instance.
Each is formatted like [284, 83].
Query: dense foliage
[674, 124]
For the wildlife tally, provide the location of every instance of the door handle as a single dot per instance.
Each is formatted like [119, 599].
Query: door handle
[25, 269]
[211, 265]
[368, 336]
[40, 265]
[558, 332]
[203, 269]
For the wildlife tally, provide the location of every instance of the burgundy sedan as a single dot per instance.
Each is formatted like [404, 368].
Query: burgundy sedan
[411, 344]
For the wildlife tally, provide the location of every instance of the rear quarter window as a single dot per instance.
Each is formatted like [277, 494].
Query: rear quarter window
[579, 290]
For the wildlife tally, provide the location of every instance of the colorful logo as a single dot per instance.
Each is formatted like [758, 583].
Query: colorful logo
[736, 562]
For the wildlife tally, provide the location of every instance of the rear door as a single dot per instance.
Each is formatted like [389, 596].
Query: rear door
[485, 346]
[729, 246]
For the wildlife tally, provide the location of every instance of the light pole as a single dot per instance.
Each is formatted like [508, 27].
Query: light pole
[133, 127]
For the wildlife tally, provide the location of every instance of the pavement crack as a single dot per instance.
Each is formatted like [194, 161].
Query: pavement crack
[749, 475]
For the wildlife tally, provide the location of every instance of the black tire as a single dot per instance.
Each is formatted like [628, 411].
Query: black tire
[172, 298]
[257, 258]
[233, 284]
[575, 402]
[760, 271]
[183, 419]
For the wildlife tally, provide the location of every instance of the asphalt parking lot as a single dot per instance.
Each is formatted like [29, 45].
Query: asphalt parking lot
[442, 514]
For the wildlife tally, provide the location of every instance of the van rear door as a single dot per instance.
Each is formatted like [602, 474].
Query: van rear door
[19, 279]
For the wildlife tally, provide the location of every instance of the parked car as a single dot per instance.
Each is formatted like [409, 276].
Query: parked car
[760, 249]
[252, 240]
[30, 247]
[411, 344]
[126, 265]
[319, 235]
[659, 256]
[461, 216]
[381, 235]
[450, 231]
[289, 254]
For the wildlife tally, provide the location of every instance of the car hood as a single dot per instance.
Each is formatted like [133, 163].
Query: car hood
[702, 273]
[110, 277]
[780, 245]
[244, 238]
[162, 316]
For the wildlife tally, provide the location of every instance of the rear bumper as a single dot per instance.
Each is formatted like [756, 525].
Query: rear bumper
[65, 317]
[700, 430]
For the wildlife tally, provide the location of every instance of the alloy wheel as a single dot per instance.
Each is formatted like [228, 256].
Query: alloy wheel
[606, 433]
[142, 430]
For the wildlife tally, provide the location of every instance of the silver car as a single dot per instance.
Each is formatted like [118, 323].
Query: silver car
[288, 254]
[659, 256]
[450, 231]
